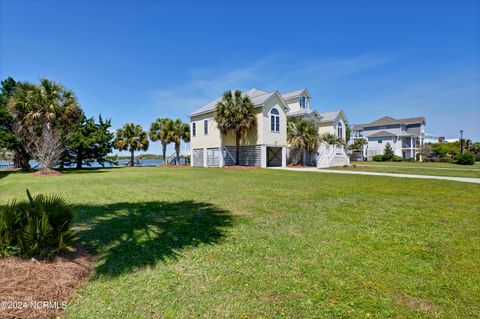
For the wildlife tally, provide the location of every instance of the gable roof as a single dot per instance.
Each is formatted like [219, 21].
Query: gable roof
[257, 96]
[387, 120]
[296, 93]
[382, 134]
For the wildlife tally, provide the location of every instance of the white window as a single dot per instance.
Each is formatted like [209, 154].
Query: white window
[303, 102]
[205, 127]
[275, 120]
[340, 129]
[194, 129]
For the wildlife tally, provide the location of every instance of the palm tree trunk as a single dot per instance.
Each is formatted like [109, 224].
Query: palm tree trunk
[164, 151]
[237, 148]
[177, 151]
[132, 157]
[21, 158]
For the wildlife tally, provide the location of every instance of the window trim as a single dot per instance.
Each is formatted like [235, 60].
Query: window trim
[274, 120]
[339, 129]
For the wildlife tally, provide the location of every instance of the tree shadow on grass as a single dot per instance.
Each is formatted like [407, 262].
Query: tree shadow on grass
[128, 236]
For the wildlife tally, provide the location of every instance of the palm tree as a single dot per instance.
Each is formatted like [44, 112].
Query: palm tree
[302, 134]
[358, 145]
[133, 138]
[179, 131]
[44, 110]
[160, 130]
[235, 112]
[331, 139]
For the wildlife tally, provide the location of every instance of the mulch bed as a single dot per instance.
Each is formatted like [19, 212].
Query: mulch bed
[241, 168]
[26, 284]
[50, 172]
[299, 166]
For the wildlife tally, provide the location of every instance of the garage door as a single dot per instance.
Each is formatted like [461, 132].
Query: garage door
[198, 157]
[213, 157]
[274, 156]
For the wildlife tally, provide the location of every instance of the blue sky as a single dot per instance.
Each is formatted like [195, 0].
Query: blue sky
[134, 61]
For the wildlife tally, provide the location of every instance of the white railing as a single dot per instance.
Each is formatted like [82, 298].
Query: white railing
[172, 158]
[329, 155]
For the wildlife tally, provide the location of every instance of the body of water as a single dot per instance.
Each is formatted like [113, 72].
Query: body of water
[7, 165]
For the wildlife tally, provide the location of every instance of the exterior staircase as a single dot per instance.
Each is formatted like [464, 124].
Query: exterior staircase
[330, 155]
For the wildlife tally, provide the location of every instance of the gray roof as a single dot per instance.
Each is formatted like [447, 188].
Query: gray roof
[329, 116]
[387, 120]
[288, 95]
[301, 112]
[257, 96]
[382, 134]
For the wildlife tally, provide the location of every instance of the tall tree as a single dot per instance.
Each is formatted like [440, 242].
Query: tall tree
[40, 111]
[359, 145]
[160, 130]
[89, 142]
[331, 139]
[133, 138]
[179, 132]
[302, 135]
[8, 139]
[235, 112]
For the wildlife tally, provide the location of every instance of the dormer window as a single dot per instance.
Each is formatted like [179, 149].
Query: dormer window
[303, 102]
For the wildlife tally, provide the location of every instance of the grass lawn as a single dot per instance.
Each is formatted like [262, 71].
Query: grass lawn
[435, 169]
[221, 243]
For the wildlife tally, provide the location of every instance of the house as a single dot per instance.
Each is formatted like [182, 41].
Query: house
[266, 144]
[405, 136]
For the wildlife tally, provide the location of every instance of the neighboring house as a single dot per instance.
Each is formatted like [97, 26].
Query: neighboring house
[266, 144]
[431, 139]
[404, 135]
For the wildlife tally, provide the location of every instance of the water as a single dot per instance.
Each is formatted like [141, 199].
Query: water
[7, 165]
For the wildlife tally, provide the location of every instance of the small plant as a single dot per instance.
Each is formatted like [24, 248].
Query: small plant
[354, 165]
[397, 158]
[466, 159]
[378, 158]
[38, 227]
[388, 153]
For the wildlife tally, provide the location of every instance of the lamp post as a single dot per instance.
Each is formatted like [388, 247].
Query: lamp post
[461, 142]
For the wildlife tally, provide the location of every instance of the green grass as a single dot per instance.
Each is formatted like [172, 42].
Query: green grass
[182, 243]
[416, 168]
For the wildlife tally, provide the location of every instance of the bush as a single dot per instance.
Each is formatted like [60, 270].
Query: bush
[388, 153]
[397, 158]
[378, 158]
[39, 227]
[466, 159]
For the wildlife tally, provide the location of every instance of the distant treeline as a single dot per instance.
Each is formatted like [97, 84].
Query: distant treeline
[144, 157]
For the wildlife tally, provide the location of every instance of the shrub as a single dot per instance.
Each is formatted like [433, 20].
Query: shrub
[388, 153]
[38, 227]
[378, 158]
[466, 159]
[397, 158]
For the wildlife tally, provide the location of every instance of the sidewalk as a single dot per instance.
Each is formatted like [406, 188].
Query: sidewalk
[317, 170]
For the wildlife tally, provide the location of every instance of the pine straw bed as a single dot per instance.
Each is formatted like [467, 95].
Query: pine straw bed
[23, 281]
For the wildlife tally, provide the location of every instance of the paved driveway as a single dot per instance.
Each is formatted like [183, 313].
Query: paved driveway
[316, 170]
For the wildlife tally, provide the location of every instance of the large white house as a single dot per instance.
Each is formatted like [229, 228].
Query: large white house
[405, 136]
[266, 144]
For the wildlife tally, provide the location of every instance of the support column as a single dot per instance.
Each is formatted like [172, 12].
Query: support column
[205, 157]
[263, 156]
[411, 147]
[221, 160]
[284, 156]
